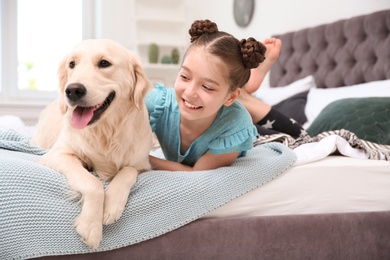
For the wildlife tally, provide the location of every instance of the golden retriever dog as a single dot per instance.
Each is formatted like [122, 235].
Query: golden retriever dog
[100, 123]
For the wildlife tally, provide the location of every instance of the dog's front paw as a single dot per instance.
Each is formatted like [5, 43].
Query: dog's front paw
[114, 205]
[50, 160]
[90, 232]
[44, 160]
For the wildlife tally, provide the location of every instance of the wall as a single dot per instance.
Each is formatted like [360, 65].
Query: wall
[114, 17]
[280, 16]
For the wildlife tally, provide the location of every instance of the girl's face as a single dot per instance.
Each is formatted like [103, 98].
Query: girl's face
[202, 87]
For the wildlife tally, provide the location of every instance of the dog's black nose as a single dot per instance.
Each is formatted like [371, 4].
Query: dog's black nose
[75, 91]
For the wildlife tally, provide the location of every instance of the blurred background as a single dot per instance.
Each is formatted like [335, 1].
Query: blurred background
[36, 35]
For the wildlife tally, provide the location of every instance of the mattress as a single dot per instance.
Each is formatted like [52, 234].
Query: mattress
[332, 184]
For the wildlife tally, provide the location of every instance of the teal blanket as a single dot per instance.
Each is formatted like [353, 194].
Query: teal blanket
[36, 211]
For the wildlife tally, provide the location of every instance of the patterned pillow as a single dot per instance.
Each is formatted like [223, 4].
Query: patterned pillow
[367, 118]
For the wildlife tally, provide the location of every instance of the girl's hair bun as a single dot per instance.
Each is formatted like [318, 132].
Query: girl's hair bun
[200, 27]
[252, 52]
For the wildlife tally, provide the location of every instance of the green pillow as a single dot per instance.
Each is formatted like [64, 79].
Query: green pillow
[367, 118]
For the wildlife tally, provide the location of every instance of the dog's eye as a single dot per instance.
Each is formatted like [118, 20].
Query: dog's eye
[104, 64]
[72, 64]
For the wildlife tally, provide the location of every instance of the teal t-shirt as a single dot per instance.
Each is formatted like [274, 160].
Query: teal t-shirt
[232, 130]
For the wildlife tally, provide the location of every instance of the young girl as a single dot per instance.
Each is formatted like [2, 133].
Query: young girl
[198, 123]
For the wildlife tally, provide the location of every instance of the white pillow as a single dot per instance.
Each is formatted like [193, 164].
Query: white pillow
[272, 96]
[319, 98]
[11, 122]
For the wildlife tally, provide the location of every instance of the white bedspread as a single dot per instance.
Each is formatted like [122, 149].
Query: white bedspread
[330, 185]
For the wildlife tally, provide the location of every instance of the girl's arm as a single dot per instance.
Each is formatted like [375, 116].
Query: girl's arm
[208, 161]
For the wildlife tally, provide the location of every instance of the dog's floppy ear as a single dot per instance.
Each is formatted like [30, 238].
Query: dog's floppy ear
[62, 79]
[141, 83]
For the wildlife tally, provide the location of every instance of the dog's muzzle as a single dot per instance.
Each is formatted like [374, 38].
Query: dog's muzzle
[84, 114]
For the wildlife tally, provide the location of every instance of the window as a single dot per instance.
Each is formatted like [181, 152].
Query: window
[36, 34]
[46, 30]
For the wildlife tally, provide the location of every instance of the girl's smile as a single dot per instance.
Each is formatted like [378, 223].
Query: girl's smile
[190, 105]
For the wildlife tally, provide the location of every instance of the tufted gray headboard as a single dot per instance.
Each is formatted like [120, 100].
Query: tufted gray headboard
[342, 53]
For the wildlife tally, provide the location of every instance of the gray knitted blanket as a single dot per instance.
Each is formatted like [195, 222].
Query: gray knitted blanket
[36, 212]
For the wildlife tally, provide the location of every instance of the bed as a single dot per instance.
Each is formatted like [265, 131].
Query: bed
[334, 200]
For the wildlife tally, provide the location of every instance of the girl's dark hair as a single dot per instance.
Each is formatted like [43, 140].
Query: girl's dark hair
[239, 56]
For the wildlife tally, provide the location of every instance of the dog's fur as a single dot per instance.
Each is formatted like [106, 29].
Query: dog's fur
[115, 146]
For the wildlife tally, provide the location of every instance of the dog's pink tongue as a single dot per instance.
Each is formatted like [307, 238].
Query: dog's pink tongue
[81, 117]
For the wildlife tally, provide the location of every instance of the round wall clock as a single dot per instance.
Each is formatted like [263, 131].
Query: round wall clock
[243, 11]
